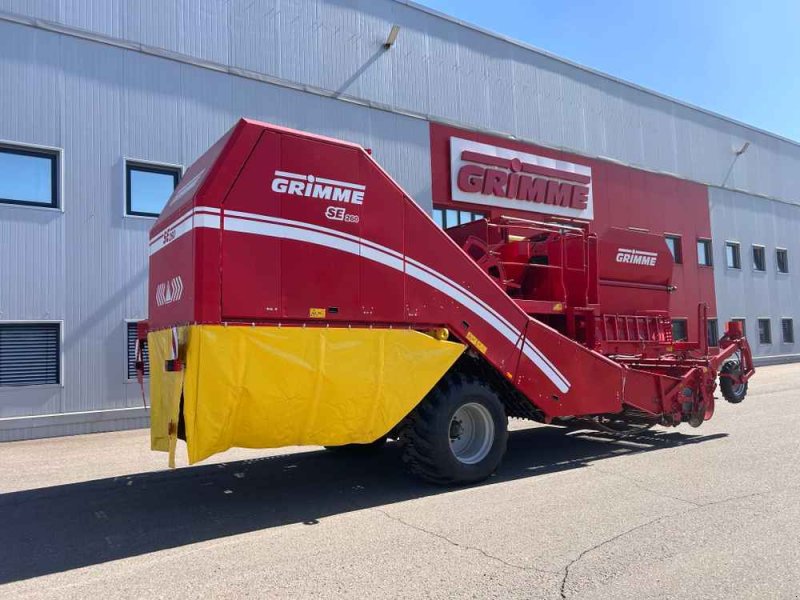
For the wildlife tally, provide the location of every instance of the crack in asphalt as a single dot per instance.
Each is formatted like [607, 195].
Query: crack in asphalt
[566, 571]
[613, 538]
[574, 561]
[641, 486]
[463, 546]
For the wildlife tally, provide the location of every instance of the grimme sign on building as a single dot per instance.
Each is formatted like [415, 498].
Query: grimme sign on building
[499, 177]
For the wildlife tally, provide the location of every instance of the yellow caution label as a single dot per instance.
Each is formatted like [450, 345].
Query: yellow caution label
[476, 342]
[317, 313]
[558, 307]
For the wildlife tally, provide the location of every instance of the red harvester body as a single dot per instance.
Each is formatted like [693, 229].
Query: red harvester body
[279, 228]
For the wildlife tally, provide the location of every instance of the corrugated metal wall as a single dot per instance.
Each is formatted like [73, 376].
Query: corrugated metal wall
[747, 293]
[87, 265]
[104, 100]
[448, 71]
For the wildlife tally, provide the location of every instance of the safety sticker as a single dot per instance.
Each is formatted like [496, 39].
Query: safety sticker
[476, 342]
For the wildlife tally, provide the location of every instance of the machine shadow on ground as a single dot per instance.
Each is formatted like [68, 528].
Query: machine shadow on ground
[55, 529]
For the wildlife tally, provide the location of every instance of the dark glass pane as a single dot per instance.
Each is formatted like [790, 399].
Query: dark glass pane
[764, 333]
[783, 261]
[732, 256]
[787, 325]
[149, 189]
[759, 262]
[679, 331]
[713, 332]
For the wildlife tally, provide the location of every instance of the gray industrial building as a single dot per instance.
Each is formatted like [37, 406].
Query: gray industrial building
[98, 97]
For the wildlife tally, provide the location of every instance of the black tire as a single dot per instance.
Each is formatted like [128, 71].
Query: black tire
[426, 434]
[730, 391]
[359, 449]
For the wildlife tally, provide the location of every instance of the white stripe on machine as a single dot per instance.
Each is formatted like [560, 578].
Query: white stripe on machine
[314, 234]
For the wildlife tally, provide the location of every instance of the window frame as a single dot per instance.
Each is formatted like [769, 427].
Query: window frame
[41, 386]
[768, 321]
[763, 249]
[784, 320]
[685, 321]
[148, 166]
[56, 154]
[737, 246]
[709, 252]
[785, 251]
[476, 216]
[677, 258]
[715, 341]
[127, 379]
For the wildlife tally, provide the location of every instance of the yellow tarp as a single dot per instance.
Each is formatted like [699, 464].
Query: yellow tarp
[265, 387]
[165, 393]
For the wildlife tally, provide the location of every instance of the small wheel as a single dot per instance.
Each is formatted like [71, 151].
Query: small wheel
[731, 391]
[360, 449]
[458, 434]
[695, 419]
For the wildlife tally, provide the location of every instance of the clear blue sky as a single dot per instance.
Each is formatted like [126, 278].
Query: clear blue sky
[739, 58]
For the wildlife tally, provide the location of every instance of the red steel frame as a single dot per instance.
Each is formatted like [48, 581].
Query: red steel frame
[640, 340]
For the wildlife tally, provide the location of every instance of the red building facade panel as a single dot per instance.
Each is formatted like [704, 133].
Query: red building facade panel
[621, 196]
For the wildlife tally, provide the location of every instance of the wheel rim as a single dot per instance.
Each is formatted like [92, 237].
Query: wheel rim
[737, 389]
[471, 433]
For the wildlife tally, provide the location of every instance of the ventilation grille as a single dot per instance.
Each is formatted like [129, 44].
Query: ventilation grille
[30, 354]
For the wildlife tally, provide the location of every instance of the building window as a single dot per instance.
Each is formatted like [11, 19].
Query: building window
[782, 260]
[679, 330]
[713, 332]
[733, 255]
[764, 331]
[446, 217]
[704, 253]
[148, 187]
[743, 323]
[674, 245]
[131, 345]
[759, 258]
[30, 354]
[787, 327]
[28, 177]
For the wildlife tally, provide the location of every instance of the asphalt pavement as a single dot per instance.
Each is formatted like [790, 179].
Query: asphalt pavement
[683, 513]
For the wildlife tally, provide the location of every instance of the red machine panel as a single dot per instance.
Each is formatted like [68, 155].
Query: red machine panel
[633, 256]
[251, 264]
[635, 272]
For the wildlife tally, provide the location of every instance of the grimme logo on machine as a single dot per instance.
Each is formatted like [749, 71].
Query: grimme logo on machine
[318, 187]
[636, 257]
[499, 177]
